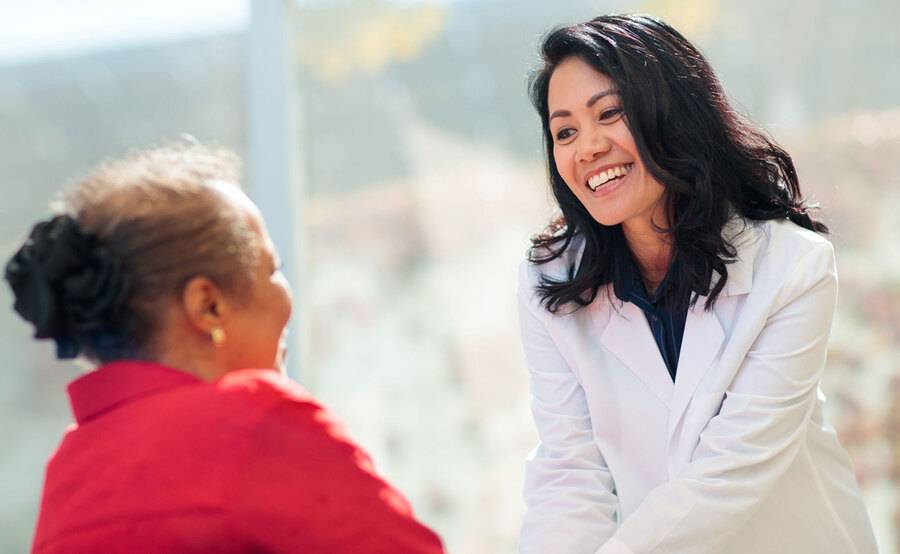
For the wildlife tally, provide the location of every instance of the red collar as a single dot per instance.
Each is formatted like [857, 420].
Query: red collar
[119, 382]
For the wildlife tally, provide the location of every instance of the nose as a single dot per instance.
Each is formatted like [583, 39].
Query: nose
[592, 144]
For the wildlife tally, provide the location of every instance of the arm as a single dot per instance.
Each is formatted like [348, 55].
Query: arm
[304, 487]
[569, 492]
[756, 436]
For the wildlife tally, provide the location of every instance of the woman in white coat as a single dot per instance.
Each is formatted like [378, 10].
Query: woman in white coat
[675, 318]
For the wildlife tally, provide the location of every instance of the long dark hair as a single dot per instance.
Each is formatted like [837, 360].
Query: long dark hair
[712, 163]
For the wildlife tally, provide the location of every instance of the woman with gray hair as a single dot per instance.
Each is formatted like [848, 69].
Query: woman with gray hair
[188, 437]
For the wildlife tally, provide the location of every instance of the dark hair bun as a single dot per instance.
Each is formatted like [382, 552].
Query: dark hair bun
[68, 285]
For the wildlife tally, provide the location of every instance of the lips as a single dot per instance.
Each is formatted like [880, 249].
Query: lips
[606, 175]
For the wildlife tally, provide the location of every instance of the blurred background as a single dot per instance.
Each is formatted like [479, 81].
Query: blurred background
[395, 155]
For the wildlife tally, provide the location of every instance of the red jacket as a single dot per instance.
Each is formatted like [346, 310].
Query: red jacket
[160, 461]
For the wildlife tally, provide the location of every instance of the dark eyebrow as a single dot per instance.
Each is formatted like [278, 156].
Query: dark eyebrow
[600, 95]
[559, 113]
[593, 100]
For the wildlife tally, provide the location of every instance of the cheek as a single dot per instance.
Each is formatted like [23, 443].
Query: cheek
[564, 165]
[287, 303]
[271, 311]
[653, 191]
[283, 300]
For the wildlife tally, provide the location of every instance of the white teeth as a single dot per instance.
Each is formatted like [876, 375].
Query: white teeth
[604, 177]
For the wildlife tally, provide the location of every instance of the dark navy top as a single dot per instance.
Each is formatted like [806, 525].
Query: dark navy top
[666, 323]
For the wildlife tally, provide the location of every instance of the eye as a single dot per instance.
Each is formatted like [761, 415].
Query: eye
[564, 134]
[610, 115]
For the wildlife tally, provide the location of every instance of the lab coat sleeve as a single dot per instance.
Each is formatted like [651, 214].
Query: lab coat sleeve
[757, 434]
[569, 492]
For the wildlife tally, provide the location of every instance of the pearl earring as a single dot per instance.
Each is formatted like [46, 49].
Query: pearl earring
[218, 336]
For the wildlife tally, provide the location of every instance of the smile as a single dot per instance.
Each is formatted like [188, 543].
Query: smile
[609, 175]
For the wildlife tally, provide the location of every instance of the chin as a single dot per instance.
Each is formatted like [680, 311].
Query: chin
[606, 218]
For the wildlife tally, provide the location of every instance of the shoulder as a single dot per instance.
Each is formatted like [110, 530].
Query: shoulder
[786, 247]
[785, 236]
[264, 396]
[261, 382]
[277, 404]
[782, 259]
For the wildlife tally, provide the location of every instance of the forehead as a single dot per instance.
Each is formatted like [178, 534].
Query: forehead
[247, 210]
[233, 195]
[573, 83]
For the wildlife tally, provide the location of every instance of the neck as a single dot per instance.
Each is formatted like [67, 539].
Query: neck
[651, 248]
[178, 347]
[178, 344]
[205, 369]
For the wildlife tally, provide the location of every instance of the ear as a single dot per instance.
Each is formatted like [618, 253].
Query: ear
[205, 304]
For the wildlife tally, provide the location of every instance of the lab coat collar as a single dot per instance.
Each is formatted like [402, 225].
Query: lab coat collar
[627, 335]
[744, 236]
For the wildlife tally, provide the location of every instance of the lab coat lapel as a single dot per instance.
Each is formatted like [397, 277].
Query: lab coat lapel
[704, 336]
[700, 346]
[627, 335]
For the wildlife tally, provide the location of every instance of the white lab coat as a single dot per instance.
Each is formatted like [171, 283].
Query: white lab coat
[732, 457]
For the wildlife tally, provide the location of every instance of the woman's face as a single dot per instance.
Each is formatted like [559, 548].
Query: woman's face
[593, 148]
[256, 327]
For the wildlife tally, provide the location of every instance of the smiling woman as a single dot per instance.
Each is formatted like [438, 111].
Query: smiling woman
[675, 317]
[595, 152]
